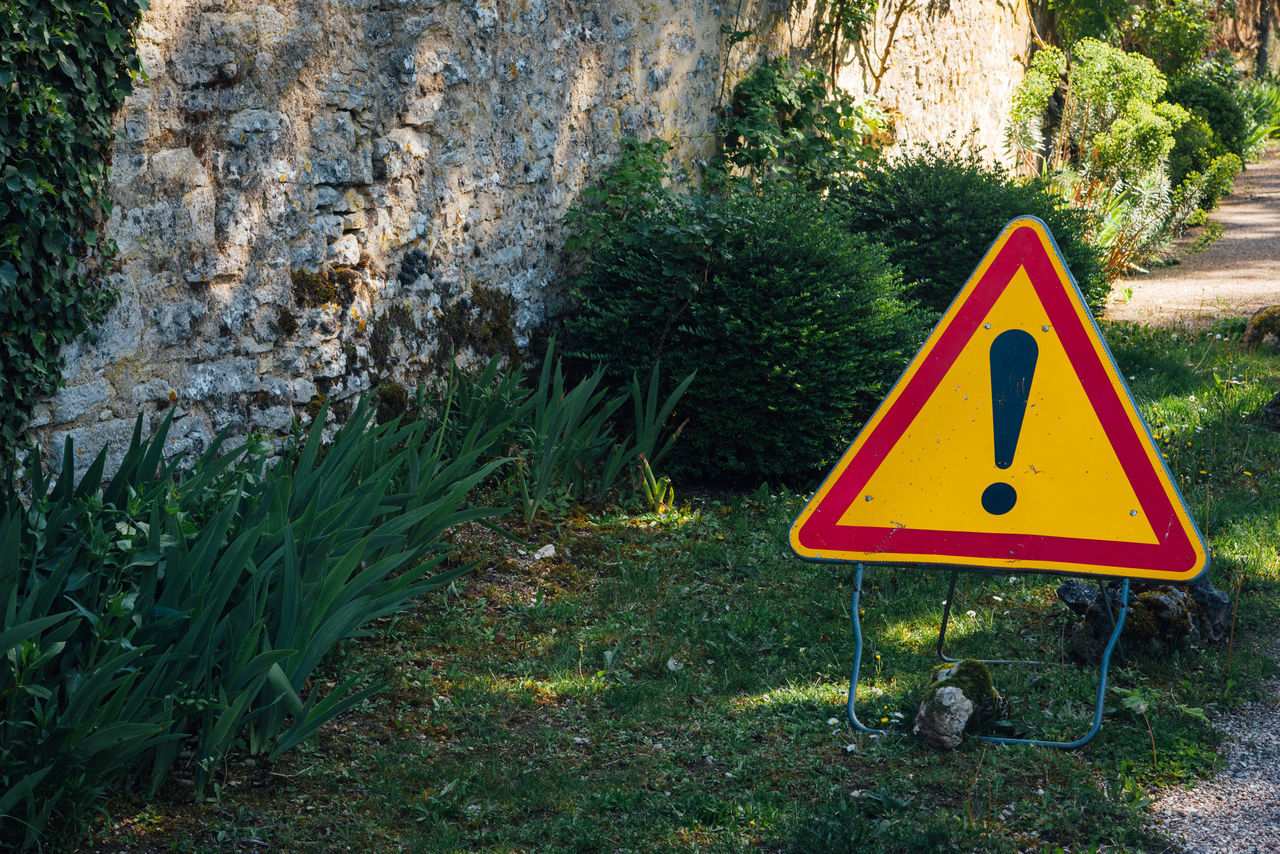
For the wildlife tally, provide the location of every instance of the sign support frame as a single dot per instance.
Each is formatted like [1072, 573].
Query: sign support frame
[1105, 664]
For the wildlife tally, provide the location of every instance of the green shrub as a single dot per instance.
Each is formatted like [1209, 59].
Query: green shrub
[1096, 19]
[67, 67]
[1192, 149]
[629, 193]
[1261, 102]
[1112, 149]
[1216, 103]
[1174, 33]
[1025, 130]
[795, 327]
[938, 211]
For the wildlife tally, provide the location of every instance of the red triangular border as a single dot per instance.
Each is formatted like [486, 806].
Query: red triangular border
[1174, 554]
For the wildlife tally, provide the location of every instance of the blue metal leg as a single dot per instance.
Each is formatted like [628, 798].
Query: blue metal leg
[942, 633]
[1102, 688]
[857, 658]
[1118, 624]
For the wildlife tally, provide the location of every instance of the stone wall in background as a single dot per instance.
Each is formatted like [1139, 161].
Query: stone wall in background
[319, 198]
[945, 68]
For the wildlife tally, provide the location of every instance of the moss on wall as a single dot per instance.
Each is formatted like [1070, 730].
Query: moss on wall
[482, 323]
[315, 288]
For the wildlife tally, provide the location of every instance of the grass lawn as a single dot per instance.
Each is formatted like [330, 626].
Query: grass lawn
[677, 682]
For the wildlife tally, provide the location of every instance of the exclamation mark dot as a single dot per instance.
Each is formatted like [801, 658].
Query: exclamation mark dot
[1013, 362]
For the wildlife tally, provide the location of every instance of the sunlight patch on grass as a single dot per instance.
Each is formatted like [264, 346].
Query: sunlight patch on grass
[814, 693]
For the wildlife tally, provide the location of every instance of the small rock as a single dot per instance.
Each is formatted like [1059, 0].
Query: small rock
[943, 716]
[1264, 328]
[545, 552]
[959, 696]
[1077, 595]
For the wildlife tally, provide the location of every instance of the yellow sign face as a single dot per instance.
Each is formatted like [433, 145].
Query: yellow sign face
[1010, 442]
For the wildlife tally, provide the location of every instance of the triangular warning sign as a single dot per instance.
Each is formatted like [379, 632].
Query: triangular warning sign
[1010, 442]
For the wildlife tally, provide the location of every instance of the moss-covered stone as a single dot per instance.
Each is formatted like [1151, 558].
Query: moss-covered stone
[314, 288]
[393, 401]
[974, 679]
[1161, 615]
[959, 697]
[1264, 328]
[313, 405]
[483, 323]
[286, 323]
[396, 321]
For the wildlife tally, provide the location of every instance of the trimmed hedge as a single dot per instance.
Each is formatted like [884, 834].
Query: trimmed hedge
[795, 327]
[938, 211]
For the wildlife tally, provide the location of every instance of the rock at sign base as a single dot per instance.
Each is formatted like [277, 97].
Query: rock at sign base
[959, 695]
[943, 716]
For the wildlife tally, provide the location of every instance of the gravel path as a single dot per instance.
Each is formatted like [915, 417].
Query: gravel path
[1238, 810]
[1237, 275]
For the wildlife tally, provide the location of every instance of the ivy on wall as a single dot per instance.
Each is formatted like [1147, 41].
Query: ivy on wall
[67, 67]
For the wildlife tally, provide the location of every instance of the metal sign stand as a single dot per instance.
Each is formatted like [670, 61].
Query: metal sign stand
[1118, 622]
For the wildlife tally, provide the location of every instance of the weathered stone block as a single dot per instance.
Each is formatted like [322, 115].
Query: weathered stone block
[74, 401]
[222, 377]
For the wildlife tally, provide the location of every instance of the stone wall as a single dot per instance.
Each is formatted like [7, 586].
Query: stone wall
[317, 198]
[945, 68]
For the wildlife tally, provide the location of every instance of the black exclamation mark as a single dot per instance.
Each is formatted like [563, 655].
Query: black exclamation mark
[1013, 361]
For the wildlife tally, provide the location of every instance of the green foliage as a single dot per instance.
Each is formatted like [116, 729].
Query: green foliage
[68, 65]
[564, 437]
[1215, 102]
[1025, 132]
[840, 24]
[777, 308]
[1192, 142]
[1113, 150]
[1137, 142]
[630, 191]
[799, 125]
[1106, 85]
[1261, 99]
[938, 210]
[1214, 182]
[1089, 19]
[166, 612]
[1175, 34]
[1261, 102]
